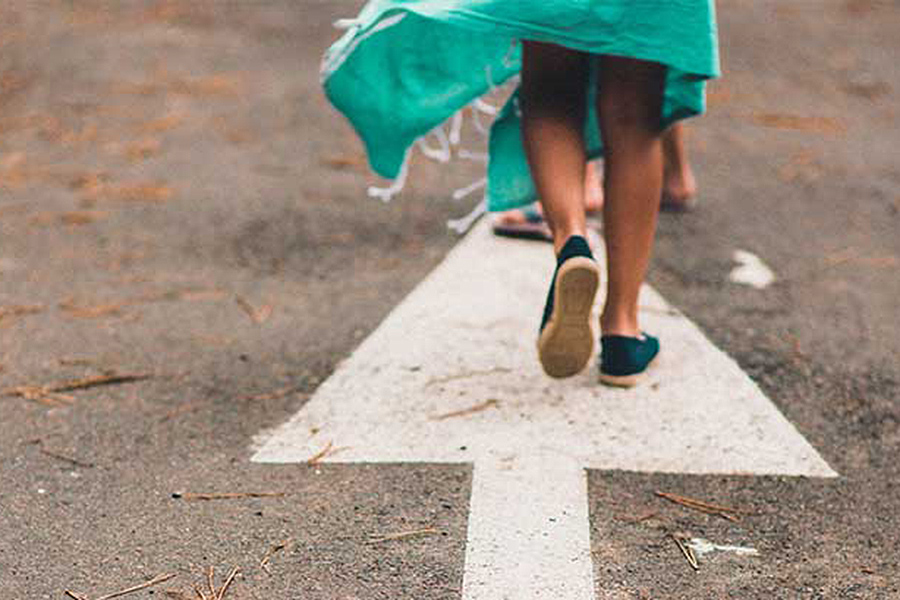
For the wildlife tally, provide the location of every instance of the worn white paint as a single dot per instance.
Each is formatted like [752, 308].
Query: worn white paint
[702, 547]
[751, 270]
[464, 340]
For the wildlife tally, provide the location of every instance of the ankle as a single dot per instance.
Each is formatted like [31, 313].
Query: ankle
[561, 236]
[622, 324]
[679, 182]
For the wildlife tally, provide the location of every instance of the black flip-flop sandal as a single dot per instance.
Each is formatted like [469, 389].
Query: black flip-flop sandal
[534, 227]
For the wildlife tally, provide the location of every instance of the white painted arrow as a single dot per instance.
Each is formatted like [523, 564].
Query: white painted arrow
[452, 376]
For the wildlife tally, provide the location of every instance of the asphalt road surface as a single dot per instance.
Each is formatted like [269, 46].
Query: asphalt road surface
[187, 252]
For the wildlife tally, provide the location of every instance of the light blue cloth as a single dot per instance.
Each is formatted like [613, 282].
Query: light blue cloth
[406, 66]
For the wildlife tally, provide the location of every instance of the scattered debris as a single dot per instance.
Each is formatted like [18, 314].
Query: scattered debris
[52, 393]
[686, 550]
[213, 593]
[701, 547]
[320, 454]
[99, 380]
[492, 402]
[403, 535]
[187, 407]
[75, 362]
[155, 581]
[68, 459]
[257, 315]
[226, 496]
[39, 394]
[264, 563]
[731, 514]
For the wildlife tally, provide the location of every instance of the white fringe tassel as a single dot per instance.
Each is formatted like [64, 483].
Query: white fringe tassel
[387, 193]
[464, 224]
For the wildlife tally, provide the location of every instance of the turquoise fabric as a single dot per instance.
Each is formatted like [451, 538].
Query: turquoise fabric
[405, 66]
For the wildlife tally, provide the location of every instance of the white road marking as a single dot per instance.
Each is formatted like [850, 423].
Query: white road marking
[451, 376]
[751, 270]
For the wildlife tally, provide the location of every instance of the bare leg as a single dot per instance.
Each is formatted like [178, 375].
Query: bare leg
[553, 112]
[629, 111]
[679, 184]
[593, 188]
[553, 97]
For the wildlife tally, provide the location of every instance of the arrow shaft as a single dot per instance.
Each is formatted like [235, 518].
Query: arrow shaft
[528, 535]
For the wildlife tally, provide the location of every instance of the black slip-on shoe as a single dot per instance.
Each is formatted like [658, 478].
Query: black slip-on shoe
[624, 360]
[566, 340]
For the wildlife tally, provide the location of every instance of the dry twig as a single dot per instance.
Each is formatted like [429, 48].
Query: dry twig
[90, 382]
[257, 315]
[264, 563]
[638, 519]
[732, 514]
[225, 496]
[468, 411]
[49, 394]
[228, 580]
[136, 588]
[686, 550]
[320, 454]
[68, 459]
[40, 394]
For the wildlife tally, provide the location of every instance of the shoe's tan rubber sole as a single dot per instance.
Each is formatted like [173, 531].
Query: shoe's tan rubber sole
[567, 342]
[627, 381]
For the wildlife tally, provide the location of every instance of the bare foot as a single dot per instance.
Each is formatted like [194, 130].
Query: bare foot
[679, 189]
[526, 223]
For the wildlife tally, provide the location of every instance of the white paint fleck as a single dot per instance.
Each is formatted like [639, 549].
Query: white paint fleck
[750, 270]
[702, 547]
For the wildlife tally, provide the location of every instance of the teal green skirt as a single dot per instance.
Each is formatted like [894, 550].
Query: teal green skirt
[403, 67]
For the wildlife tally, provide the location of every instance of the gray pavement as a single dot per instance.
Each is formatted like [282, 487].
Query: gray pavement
[178, 200]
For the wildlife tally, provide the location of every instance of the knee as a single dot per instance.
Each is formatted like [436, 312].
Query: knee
[630, 110]
[630, 95]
